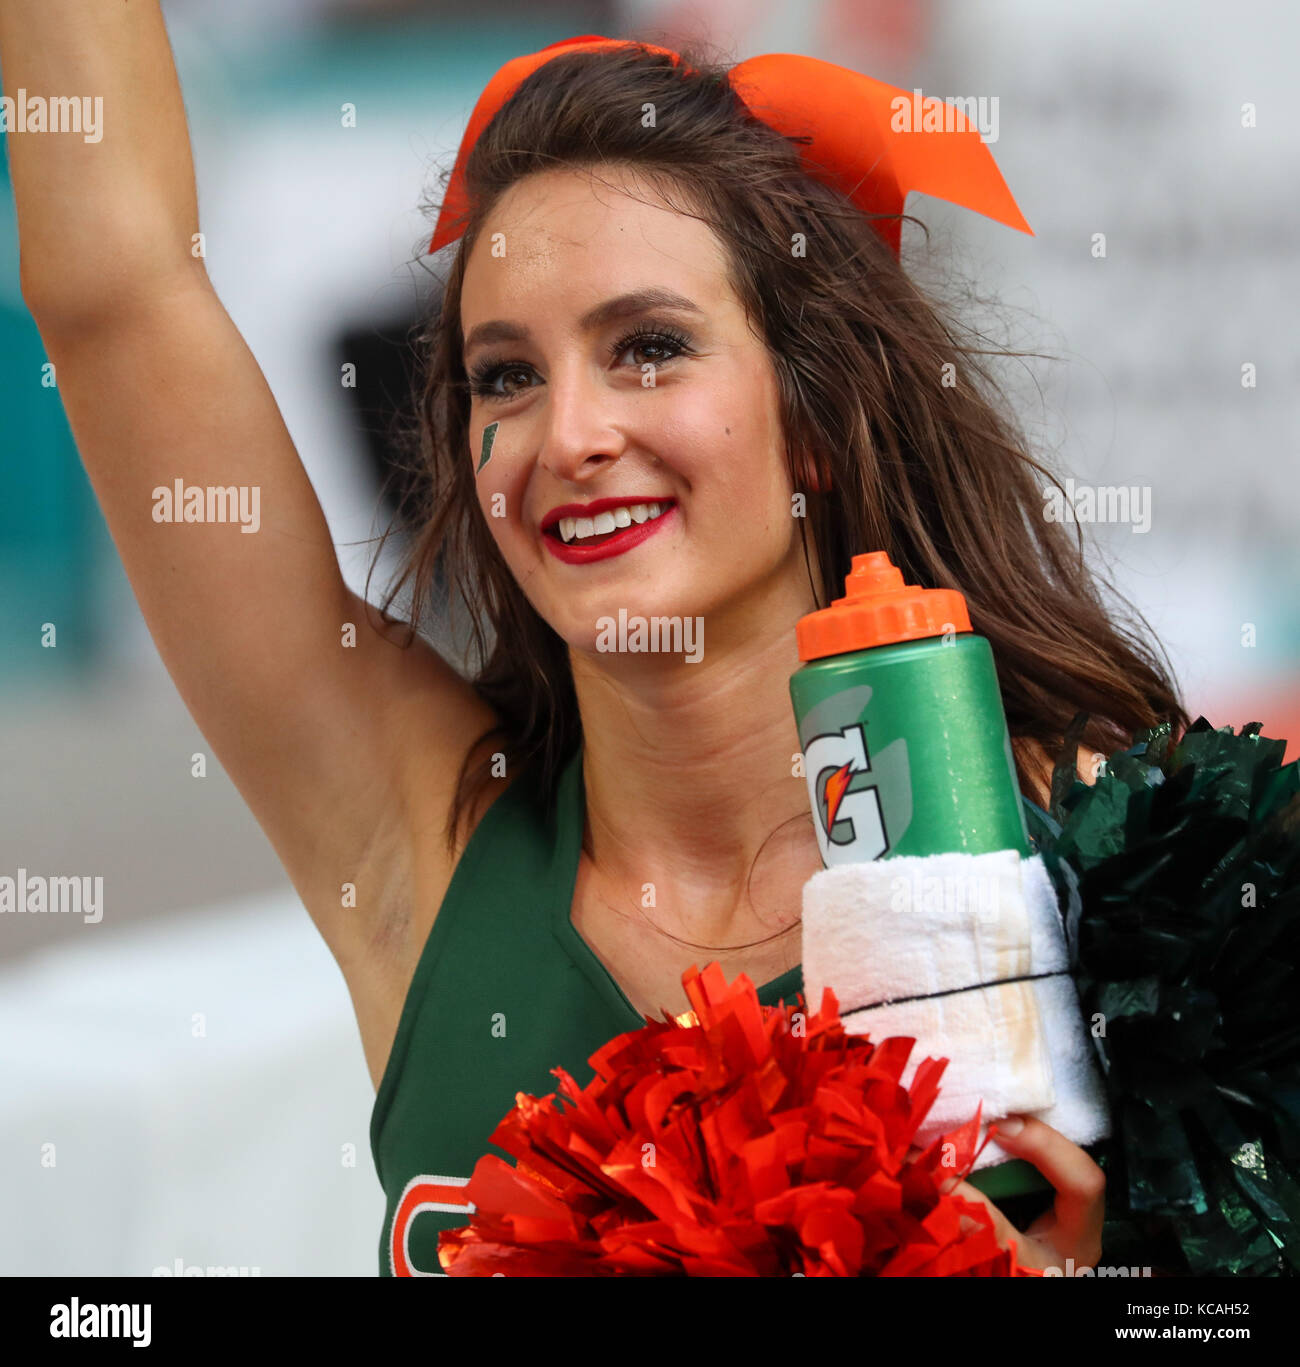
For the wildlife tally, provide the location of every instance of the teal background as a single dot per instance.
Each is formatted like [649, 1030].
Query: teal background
[52, 537]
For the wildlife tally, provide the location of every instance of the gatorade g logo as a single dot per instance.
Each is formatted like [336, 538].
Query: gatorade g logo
[850, 825]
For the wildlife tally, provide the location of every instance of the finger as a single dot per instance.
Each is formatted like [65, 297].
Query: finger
[1003, 1229]
[1032, 1249]
[1080, 1184]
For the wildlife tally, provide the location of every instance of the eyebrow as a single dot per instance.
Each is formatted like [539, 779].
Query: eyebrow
[610, 311]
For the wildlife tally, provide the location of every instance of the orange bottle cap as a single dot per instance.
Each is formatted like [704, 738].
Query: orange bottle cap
[878, 609]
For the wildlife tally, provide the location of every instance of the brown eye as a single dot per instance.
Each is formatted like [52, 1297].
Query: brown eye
[483, 382]
[660, 352]
[514, 371]
[664, 344]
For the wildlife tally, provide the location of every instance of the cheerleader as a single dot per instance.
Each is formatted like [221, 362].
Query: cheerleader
[678, 375]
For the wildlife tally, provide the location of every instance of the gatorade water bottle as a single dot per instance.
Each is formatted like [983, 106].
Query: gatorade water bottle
[901, 724]
[905, 742]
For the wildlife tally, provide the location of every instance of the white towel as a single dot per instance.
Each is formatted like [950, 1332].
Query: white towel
[1080, 1111]
[915, 926]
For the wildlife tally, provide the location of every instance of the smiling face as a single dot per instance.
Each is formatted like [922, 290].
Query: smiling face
[605, 343]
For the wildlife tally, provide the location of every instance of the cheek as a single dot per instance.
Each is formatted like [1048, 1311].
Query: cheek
[499, 482]
[733, 450]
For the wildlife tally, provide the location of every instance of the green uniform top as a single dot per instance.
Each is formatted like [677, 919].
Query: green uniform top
[505, 990]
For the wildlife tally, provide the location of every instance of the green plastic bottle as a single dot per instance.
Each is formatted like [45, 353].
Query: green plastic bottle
[905, 742]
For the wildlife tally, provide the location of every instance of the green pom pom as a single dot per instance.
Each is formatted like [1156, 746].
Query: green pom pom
[1180, 872]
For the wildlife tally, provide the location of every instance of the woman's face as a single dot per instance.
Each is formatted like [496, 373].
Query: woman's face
[616, 370]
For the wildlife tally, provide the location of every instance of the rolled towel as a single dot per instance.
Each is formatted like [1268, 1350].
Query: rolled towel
[1080, 1111]
[951, 949]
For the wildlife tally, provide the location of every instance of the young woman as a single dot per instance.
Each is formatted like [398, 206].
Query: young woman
[512, 868]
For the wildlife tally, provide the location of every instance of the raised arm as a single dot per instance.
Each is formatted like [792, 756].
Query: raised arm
[340, 749]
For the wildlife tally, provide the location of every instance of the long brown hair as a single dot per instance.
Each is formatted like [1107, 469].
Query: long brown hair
[933, 472]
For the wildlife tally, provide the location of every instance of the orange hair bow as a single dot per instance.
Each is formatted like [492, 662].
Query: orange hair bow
[849, 119]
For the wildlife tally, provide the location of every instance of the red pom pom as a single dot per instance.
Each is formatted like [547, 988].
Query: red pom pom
[758, 1142]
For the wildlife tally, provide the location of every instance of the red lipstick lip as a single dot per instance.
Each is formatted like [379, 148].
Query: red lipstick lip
[619, 543]
[598, 506]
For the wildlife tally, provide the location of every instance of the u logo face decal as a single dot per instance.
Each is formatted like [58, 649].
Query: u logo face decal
[489, 436]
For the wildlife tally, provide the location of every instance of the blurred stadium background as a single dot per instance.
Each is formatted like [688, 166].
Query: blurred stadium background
[248, 1145]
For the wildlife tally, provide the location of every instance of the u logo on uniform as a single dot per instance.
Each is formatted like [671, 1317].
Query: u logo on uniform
[445, 1195]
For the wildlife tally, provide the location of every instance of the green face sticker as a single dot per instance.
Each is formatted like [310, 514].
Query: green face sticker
[489, 436]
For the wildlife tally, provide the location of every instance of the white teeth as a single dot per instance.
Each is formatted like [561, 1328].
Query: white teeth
[575, 528]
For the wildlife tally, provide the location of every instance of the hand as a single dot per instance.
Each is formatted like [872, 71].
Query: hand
[1072, 1228]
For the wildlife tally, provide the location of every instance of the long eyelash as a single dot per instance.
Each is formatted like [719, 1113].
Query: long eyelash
[484, 375]
[650, 334]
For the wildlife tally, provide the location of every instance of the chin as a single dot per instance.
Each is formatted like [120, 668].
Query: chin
[633, 622]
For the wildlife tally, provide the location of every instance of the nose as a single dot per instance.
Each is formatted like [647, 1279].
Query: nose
[582, 433]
